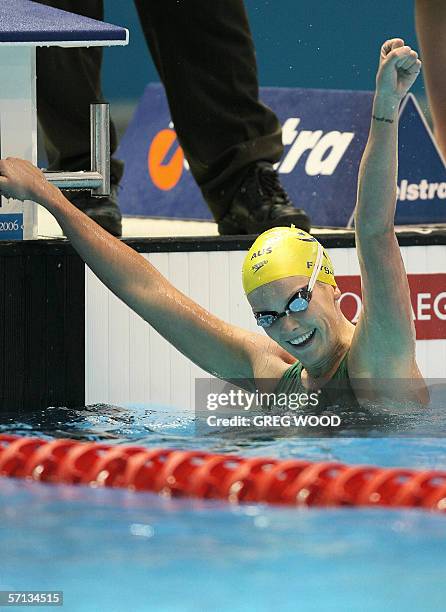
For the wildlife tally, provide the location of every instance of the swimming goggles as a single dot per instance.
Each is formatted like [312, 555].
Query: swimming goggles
[299, 301]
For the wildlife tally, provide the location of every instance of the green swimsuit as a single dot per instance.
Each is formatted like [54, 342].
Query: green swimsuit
[337, 392]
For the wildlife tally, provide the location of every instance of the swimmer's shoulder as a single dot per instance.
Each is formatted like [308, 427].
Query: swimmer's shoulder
[269, 363]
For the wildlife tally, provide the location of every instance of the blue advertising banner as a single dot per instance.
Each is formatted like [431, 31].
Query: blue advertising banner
[421, 171]
[324, 133]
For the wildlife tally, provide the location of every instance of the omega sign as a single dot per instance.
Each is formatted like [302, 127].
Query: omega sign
[428, 297]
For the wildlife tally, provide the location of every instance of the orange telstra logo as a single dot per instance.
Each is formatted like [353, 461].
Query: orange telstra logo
[165, 175]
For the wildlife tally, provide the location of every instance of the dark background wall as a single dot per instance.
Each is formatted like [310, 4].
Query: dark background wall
[300, 43]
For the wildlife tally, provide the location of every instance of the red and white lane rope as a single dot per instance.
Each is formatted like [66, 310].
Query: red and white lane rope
[206, 475]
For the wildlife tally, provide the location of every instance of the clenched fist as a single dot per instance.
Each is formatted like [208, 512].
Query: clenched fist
[398, 69]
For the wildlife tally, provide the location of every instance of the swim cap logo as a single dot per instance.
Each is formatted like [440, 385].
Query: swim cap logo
[165, 173]
[265, 251]
[256, 267]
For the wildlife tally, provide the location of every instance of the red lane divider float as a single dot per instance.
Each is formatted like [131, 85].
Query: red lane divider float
[206, 475]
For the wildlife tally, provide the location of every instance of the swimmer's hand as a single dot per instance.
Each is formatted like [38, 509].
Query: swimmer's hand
[21, 180]
[398, 69]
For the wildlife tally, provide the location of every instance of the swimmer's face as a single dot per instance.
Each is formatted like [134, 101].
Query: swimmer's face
[320, 319]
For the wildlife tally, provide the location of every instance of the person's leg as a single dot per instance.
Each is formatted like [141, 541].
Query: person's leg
[68, 81]
[430, 18]
[205, 56]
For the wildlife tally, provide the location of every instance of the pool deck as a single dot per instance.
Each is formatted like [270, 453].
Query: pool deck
[139, 227]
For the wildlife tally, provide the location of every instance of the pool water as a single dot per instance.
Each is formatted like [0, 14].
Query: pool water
[117, 550]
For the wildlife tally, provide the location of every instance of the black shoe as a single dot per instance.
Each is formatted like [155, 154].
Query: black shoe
[105, 211]
[260, 204]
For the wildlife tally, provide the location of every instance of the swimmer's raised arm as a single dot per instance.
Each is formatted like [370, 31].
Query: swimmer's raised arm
[384, 341]
[218, 347]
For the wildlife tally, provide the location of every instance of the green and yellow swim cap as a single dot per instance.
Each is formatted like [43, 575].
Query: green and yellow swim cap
[281, 252]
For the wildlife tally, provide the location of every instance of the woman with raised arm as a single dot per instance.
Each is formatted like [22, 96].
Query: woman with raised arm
[287, 276]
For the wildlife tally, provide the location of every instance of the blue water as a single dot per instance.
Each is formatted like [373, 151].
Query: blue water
[116, 550]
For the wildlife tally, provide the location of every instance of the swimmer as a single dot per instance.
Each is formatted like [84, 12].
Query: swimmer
[287, 276]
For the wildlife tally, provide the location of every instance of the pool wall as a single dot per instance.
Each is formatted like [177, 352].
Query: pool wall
[127, 361]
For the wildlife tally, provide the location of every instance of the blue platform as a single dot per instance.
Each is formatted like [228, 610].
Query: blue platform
[24, 22]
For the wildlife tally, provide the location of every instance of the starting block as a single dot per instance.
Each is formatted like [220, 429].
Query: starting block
[24, 26]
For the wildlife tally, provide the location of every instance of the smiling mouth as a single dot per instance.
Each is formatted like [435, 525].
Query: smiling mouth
[302, 340]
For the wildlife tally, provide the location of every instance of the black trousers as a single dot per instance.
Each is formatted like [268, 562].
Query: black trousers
[204, 54]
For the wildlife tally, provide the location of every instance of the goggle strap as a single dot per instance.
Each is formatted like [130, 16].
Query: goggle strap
[317, 267]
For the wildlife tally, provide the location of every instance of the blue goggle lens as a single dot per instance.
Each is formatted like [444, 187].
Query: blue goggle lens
[298, 304]
[266, 320]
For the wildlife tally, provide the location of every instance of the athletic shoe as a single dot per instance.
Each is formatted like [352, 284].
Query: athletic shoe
[104, 210]
[260, 204]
